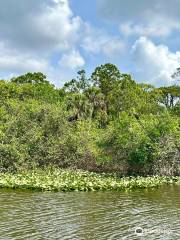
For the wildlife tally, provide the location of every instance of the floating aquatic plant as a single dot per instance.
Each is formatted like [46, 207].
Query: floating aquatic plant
[70, 180]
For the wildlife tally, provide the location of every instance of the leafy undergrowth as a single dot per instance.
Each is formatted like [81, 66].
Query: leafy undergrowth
[70, 180]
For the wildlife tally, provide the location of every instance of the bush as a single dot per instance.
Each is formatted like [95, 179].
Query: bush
[138, 145]
[34, 133]
[167, 161]
[105, 123]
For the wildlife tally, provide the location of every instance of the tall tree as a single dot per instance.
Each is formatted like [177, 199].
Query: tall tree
[33, 78]
[105, 77]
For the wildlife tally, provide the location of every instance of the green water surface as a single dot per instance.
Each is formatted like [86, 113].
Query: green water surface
[154, 213]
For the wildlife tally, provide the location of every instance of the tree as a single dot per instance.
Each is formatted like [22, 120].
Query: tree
[78, 85]
[127, 96]
[32, 78]
[170, 95]
[79, 106]
[105, 77]
[98, 103]
[176, 74]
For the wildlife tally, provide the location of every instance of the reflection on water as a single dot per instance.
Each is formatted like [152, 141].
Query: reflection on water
[152, 214]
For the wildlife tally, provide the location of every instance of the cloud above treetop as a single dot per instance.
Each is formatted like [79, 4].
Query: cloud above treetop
[150, 18]
[59, 38]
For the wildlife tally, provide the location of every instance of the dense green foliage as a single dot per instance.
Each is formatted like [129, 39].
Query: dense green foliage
[105, 123]
[67, 180]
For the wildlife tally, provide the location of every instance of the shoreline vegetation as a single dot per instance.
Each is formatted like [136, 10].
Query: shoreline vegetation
[104, 123]
[67, 180]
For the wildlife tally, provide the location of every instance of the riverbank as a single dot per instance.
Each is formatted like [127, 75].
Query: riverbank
[70, 180]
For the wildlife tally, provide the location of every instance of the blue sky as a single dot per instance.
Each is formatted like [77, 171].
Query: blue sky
[60, 37]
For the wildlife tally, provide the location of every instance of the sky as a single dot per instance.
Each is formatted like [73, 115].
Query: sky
[61, 37]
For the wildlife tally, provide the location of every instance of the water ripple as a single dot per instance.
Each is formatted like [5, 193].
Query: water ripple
[81, 216]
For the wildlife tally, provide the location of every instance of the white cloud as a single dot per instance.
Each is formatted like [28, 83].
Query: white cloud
[155, 29]
[93, 39]
[57, 26]
[36, 31]
[96, 41]
[15, 62]
[72, 60]
[42, 25]
[154, 63]
[113, 47]
[142, 17]
[34, 35]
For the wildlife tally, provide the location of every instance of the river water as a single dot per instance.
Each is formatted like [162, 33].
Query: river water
[141, 214]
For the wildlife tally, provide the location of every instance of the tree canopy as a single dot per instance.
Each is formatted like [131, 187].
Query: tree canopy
[105, 122]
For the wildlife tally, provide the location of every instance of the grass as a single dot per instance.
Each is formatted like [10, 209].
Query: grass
[70, 180]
